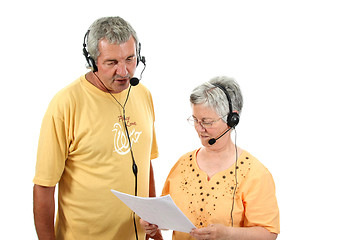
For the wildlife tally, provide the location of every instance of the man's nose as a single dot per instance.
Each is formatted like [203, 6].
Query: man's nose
[121, 69]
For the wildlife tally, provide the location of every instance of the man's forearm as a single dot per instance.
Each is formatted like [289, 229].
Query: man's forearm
[44, 211]
[152, 190]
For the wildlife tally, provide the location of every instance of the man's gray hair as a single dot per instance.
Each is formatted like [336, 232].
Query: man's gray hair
[114, 29]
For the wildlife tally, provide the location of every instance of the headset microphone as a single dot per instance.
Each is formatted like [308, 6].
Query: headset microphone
[213, 140]
[134, 81]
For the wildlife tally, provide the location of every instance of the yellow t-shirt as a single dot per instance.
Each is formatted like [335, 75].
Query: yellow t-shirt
[83, 147]
[207, 202]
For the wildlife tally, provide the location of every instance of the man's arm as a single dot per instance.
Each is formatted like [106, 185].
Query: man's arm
[44, 211]
[152, 191]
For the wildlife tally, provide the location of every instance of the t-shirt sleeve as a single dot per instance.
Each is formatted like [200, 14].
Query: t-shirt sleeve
[52, 149]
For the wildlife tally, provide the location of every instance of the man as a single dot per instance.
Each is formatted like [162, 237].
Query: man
[97, 134]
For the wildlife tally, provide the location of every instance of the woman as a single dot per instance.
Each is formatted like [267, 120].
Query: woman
[224, 191]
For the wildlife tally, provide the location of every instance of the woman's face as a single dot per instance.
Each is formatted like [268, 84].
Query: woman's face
[208, 124]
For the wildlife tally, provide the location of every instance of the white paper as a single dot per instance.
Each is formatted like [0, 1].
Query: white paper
[161, 211]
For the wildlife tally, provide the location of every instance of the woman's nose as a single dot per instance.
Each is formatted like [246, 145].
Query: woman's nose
[199, 127]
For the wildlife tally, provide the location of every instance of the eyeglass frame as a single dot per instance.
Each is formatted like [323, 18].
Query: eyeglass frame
[194, 122]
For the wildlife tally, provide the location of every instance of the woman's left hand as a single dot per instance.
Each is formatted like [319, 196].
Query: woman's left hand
[213, 231]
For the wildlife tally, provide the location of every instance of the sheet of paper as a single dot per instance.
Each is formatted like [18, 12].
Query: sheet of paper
[161, 211]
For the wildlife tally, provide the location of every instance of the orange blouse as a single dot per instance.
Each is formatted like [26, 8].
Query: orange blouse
[207, 202]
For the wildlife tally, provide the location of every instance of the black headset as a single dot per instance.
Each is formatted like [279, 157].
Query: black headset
[232, 120]
[233, 117]
[92, 64]
[133, 82]
[90, 61]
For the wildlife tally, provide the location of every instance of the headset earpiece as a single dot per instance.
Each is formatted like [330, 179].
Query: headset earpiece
[233, 117]
[90, 61]
[140, 58]
[135, 81]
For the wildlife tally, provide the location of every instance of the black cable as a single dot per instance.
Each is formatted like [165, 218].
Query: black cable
[134, 166]
[236, 182]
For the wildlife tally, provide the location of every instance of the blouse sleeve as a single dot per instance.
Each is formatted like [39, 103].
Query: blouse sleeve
[259, 200]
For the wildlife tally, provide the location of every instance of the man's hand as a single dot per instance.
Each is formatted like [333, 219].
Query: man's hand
[151, 230]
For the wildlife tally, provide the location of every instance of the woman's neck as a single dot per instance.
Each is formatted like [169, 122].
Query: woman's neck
[213, 160]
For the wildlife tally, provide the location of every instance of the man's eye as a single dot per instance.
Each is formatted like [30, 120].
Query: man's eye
[207, 124]
[130, 59]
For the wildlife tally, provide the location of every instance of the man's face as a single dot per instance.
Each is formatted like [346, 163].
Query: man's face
[116, 64]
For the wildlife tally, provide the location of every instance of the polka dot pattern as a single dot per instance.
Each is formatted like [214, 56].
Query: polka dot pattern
[209, 201]
[204, 196]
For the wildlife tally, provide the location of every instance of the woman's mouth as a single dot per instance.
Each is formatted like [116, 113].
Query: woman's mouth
[203, 136]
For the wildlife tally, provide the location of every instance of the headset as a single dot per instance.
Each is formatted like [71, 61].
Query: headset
[232, 120]
[233, 117]
[92, 63]
[133, 82]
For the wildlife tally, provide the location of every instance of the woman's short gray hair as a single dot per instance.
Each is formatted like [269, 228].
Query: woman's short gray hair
[114, 29]
[214, 98]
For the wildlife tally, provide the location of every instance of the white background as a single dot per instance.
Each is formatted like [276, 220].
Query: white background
[297, 63]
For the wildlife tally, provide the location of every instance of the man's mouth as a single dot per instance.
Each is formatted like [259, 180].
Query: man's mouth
[121, 80]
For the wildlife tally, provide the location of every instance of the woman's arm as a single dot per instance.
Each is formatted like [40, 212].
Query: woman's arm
[221, 232]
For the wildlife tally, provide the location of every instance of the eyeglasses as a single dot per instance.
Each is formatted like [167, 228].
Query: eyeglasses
[205, 124]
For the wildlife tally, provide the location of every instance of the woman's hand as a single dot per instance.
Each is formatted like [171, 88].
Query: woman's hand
[213, 231]
[151, 230]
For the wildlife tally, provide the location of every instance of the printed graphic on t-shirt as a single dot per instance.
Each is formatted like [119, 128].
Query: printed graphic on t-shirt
[121, 140]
